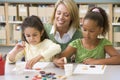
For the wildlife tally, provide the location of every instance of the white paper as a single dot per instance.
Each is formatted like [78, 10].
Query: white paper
[41, 65]
[86, 69]
[21, 66]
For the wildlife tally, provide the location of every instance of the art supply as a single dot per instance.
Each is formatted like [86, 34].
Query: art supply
[65, 60]
[103, 67]
[89, 69]
[26, 76]
[2, 65]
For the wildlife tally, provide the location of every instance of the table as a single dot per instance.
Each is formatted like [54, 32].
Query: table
[112, 72]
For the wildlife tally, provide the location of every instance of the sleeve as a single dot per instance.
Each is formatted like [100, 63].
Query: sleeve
[18, 56]
[74, 43]
[107, 42]
[51, 50]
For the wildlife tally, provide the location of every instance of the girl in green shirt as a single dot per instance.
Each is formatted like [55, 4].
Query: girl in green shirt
[91, 49]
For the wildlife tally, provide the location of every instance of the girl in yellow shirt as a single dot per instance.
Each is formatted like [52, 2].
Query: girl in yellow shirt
[36, 45]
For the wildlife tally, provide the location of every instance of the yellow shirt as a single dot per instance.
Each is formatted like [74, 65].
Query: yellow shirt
[46, 48]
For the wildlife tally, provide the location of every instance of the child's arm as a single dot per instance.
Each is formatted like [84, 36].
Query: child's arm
[114, 55]
[68, 52]
[59, 62]
[49, 50]
[12, 54]
[113, 59]
[34, 60]
[47, 53]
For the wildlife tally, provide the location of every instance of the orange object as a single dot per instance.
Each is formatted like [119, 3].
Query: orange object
[2, 67]
[37, 68]
[0, 57]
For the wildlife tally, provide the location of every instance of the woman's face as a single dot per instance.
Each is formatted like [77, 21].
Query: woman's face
[62, 16]
[32, 35]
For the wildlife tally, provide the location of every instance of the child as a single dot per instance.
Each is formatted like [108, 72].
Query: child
[36, 47]
[91, 49]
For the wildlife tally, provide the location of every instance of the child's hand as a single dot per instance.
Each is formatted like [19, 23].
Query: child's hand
[59, 62]
[90, 61]
[31, 62]
[19, 46]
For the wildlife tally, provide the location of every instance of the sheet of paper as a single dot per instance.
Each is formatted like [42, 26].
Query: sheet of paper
[41, 65]
[89, 69]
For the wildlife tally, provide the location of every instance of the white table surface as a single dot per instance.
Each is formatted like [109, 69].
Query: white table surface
[112, 72]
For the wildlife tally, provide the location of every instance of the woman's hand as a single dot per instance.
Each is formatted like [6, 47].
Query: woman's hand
[59, 62]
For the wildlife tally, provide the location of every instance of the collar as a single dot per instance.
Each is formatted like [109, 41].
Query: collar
[70, 32]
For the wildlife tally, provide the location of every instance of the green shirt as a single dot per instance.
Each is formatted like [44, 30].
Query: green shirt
[83, 53]
[76, 35]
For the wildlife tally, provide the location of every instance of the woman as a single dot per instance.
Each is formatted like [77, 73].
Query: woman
[65, 26]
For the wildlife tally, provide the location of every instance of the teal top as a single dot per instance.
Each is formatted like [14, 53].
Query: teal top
[83, 53]
[76, 35]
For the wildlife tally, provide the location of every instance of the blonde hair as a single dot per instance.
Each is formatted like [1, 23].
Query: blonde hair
[73, 10]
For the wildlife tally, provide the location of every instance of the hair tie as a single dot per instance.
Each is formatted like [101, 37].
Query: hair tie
[61, 0]
[96, 10]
